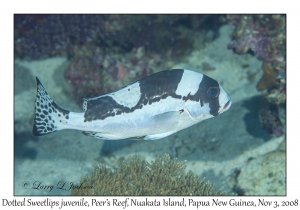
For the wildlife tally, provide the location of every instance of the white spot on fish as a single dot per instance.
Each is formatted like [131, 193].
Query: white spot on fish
[128, 96]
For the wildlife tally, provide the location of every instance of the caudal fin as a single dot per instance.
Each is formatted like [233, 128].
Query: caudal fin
[49, 117]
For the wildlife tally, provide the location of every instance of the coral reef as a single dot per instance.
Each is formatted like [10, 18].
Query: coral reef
[270, 120]
[276, 96]
[268, 79]
[265, 36]
[39, 35]
[137, 177]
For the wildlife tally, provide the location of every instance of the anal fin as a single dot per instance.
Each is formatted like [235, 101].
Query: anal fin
[137, 138]
[101, 135]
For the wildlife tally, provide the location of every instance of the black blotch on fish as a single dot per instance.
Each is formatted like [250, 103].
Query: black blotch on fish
[201, 95]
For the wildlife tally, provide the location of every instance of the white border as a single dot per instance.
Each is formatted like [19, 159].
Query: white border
[154, 6]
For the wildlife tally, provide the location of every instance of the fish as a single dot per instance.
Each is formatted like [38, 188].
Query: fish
[151, 108]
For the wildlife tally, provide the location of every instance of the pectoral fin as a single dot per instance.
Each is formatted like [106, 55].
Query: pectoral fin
[163, 125]
[168, 117]
[159, 136]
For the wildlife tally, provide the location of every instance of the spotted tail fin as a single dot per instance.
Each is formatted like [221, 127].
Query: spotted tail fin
[48, 115]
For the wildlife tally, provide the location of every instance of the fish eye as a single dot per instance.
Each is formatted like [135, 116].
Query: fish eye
[213, 92]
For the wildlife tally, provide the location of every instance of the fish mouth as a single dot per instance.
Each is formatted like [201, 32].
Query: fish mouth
[227, 105]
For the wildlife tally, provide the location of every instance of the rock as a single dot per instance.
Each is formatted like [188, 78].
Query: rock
[264, 175]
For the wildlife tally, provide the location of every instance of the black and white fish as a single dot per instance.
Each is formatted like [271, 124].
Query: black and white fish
[151, 108]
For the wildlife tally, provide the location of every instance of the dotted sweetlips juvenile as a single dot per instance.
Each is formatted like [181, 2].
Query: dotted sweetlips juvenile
[151, 108]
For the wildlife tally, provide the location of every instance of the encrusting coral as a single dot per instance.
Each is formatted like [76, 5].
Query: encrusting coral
[270, 120]
[137, 177]
[265, 37]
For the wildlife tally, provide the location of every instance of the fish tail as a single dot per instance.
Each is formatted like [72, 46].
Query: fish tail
[49, 117]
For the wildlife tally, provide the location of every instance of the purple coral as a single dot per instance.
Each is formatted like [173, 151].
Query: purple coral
[257, 43]
[263, 34]
[270, 120]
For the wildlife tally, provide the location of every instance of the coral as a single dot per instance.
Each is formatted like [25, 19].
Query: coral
[276, 96]
[40, 35]
[265, 36]
[268, 79]
[270, 120]
[164, 34]
[137, 177]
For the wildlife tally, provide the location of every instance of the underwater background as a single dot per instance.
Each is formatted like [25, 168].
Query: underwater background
[78, 56]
